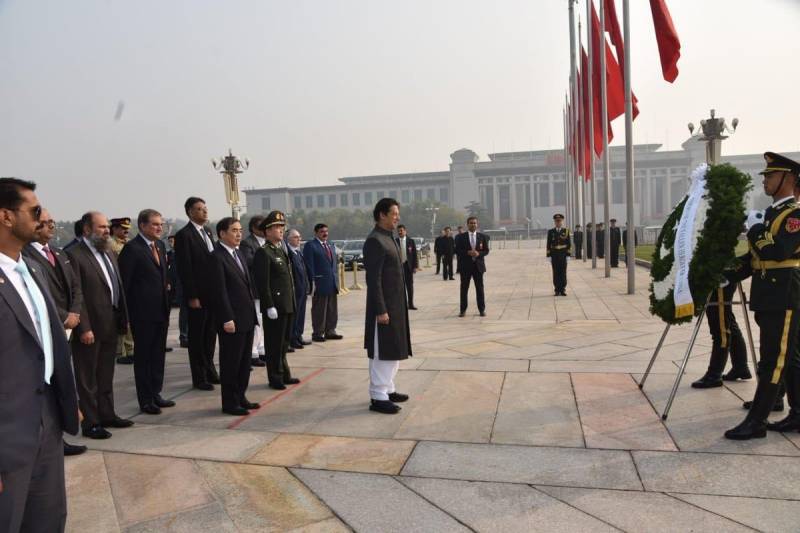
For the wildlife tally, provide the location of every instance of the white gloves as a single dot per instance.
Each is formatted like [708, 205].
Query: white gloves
[272, 313]
[549, 259]
[754, 217]
[567, 259]
[724, 283]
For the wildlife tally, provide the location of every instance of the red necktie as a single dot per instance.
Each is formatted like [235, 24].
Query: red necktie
[50, 257]
[327, 250]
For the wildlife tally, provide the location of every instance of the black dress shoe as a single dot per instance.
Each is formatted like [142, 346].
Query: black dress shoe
[204, 386]
[483, 313]
[290, 350]
[412, 308]
[305, 343]
[125, 360]
[398, 397]
[167, 349]
[96, 432]
[161, 402]
[384, 406]
[250, 405]
[333, 336]
[777, 408]
[297, 346]
[291, 381]
[255, 361]
[184, 344]
[747, 430]
[117, 422]
[317, 338]
[235, 411]
[73, 449]
[277, 386]
[733, 375]
[790, 423]
[461, 314]
[707, 382]
[452, 279]
[213, 378]
[151, 409]
[563, 293]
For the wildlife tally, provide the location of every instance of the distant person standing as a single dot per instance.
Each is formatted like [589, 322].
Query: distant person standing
[120, 229]
[601, 243]
[78, 229]
[616, 240]
[577, 236]
[248, 248]
[558, 252]
[193, 248]
[589, 242]
[143, 265]
[235, 316]
[302, 288]
[37, 384]
[471, 248]
[321, 263]
[437, 250]
[448, 250]
[410, 260]
[387, 337]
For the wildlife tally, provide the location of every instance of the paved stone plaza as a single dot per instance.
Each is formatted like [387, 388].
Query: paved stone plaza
[527, 420]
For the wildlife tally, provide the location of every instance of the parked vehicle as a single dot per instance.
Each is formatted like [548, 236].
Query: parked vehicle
[353, 251]
[423, 247]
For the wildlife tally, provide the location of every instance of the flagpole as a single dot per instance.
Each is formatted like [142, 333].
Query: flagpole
[581, 160]
[573, 69]
[630, 243]
[604, 125]
[589, 85]
[567, 162]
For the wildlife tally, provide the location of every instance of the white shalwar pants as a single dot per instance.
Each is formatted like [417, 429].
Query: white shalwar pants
[381, 373]
[258, 334]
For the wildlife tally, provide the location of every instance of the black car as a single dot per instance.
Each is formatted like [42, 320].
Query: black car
[353, 251]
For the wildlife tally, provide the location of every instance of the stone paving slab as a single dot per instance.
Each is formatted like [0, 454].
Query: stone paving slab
[208, 519]
[182, 441]
[573, 467]
[370, 502]
[758, 513]
[615, 414]
[503, 507]
[457, 406]
[481, 365]
[720, 474]
[538, 409]
[377, 456]
[90, 504]
[642, 511]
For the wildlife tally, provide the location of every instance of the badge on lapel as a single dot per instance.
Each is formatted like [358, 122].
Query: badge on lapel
[792, 225]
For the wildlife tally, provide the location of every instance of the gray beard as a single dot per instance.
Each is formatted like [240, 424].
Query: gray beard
[100, 243]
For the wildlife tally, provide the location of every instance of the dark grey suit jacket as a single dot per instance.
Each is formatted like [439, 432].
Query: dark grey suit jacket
[22, 376]
[65, 287]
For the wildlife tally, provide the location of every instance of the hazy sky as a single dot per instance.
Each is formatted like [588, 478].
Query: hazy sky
[313, 90]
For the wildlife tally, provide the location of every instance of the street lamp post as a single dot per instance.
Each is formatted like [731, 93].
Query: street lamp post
[433, 220]
[713, 130]
[230, 166]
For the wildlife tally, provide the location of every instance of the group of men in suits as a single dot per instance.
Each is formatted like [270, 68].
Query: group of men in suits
[444, 247]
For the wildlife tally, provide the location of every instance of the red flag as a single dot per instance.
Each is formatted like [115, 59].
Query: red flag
[669, 46]
[612, 27]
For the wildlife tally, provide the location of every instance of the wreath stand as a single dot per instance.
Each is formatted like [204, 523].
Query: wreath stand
[697, 325]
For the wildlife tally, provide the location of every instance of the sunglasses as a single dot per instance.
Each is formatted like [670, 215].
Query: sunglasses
[35, 211]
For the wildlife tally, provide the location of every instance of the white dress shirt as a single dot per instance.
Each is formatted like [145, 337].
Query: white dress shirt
[102, 263]
[40, 248]
[204, 235]
[8, 266]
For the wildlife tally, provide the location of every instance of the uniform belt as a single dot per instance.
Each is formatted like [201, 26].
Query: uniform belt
[757, 264]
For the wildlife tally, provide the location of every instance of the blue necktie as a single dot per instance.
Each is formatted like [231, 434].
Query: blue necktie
[42, 322]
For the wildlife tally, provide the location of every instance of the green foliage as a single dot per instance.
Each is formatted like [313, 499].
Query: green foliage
[716, 244]
[476, 209]
[347, 224]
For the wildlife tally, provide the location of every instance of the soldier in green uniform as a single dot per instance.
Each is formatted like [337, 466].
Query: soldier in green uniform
[273, 271]
[774, 264]
[120, 228]
[559, 247]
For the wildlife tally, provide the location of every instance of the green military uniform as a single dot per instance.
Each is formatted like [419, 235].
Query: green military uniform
[559, 248]
[275, 282]
[773, 262]
[124, 341]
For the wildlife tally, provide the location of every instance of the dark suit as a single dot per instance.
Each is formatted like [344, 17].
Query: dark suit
[247, 250]
[193, 259]
[302, 287]
[409, 266]
[616, 240]
[233, 300]
[321, 267]
[65, 288]
[448, 248]
[94, 363]
[578, 238]
[601, 244]
[33, 415]
[145, 282]
[472, 268]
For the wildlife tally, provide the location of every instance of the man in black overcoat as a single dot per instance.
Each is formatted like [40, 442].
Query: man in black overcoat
[387, 337]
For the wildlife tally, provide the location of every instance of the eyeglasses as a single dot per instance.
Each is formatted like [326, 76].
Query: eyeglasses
[35, 211]
[49, 223]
